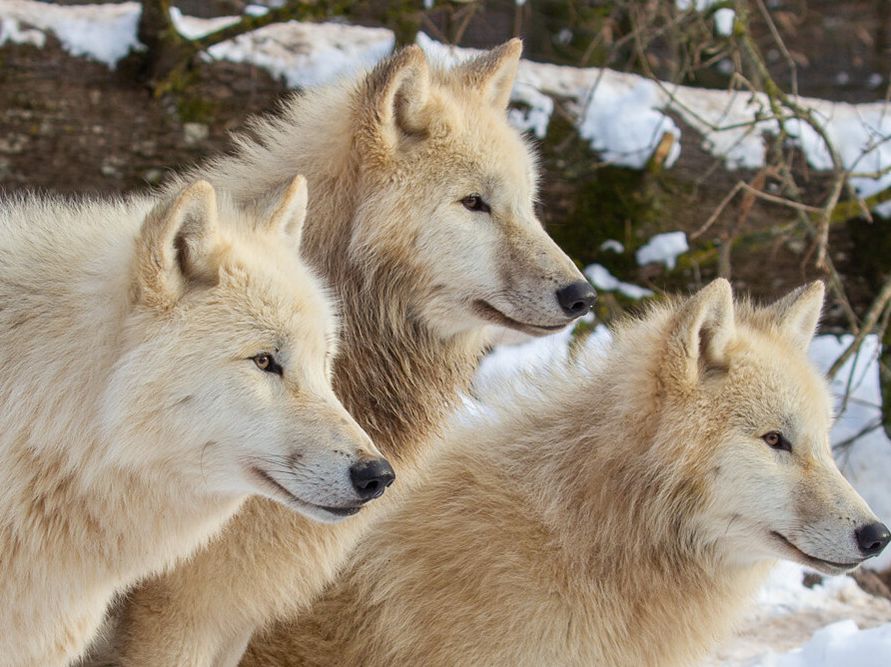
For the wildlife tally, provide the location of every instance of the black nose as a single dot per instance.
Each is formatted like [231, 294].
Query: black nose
[576, 299]
[872, 538]
[370, 478]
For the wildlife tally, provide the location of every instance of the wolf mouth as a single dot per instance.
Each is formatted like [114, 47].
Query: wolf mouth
[813, 559]
[490, 312]
[299, 502]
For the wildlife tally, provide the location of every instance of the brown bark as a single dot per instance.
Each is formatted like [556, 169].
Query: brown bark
[168, 54]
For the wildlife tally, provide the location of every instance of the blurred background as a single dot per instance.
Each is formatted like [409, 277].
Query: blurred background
[680, 140]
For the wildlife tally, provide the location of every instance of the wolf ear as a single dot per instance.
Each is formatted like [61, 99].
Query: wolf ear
[290, 211]
[177, 245]
[493, 73]
[798, 313]
[397, 92]
[705, 327]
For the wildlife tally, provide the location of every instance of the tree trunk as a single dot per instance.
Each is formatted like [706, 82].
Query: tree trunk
[166, 50]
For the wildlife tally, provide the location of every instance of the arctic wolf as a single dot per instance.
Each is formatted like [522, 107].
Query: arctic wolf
[422, 219]
[158, 365]
[619, 511]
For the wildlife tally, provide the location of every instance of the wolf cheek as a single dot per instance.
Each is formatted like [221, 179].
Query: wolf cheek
[776, 484]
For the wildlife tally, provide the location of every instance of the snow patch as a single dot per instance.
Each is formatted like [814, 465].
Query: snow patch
[612, 245]
[100, 32]
[663, 249]
[603, 280]
[838, 644]
[724, 21]
[303, 54]
[536, 112]
[624, 124]
[10, 31]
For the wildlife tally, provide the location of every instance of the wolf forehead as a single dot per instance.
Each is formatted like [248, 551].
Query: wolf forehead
[263, 284]
[769, 377]
[468, 136]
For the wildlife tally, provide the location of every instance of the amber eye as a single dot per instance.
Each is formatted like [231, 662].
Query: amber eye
[475, 203]
[266, 362]
[776, 440]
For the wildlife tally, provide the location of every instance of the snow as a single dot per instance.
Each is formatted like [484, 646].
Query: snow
[193, 27]
[663, 248]
[786, 614]
[535, 113]
[724, 21]
[256, 10]
[623, 116]
[612, 245]
[624, 125]
[723, 17]
[619, 116]
[838, 644]
[303, 54]
[603, 280]
[100, 32]
[11, 31]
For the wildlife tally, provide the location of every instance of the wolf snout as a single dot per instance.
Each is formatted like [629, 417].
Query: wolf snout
[872, 538]
[576, 298]
[371, 477]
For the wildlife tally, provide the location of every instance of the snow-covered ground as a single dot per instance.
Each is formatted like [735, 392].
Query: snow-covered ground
[835, 622]
[303, 54]
[625, 117]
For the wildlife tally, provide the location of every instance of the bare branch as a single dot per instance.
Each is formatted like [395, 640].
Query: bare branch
[869, 323]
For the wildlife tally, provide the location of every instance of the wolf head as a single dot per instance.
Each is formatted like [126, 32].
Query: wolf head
[224, 377]
[448, 191]
[746, 417]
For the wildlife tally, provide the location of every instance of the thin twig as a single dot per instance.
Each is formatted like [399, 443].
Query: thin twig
[869, 323]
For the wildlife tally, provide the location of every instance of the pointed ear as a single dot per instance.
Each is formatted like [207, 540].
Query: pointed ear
[798, 313]
[493, 73]
[705, 327]
[290, 211]
[397, 92]
[177, 245]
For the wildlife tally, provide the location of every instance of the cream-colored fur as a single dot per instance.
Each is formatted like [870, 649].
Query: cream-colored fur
[135, 416]
[616, 512]
[389, 157]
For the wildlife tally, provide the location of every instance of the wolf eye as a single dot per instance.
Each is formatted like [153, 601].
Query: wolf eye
[476, 203]
[776, 440]
[266, 362]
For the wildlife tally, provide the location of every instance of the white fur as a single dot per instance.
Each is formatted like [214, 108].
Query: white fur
[135, 421]
[389, 156]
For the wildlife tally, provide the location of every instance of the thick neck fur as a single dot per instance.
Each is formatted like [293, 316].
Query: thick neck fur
[620, 513]
[387, 346]
[67, 510]
[548, 531]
